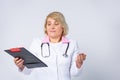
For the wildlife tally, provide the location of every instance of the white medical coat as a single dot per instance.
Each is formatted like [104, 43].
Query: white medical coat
[59, 67]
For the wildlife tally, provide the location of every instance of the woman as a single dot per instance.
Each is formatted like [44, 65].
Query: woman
[61, 54]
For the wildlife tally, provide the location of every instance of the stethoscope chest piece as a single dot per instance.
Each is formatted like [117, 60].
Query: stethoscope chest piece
[65, 55]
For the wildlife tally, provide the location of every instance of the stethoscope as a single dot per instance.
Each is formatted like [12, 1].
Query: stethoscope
[65, 54]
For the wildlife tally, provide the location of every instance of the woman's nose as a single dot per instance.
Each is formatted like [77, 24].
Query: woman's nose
[53, 26]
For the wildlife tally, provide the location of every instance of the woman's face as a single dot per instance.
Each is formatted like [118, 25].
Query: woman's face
[54, 28]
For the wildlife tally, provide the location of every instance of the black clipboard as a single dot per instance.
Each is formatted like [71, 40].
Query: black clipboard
[30, 60]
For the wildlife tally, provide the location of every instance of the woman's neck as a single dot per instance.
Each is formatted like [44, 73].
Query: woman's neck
[55, 39]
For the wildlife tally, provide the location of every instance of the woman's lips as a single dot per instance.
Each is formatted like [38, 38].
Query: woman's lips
[52, 31]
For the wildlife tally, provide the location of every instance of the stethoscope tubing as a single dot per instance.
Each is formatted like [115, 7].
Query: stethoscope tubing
[65, 54]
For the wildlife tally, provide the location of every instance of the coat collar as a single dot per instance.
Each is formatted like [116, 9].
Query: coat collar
[46, 40]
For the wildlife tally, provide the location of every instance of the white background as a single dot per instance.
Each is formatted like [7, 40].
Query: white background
[95, 24]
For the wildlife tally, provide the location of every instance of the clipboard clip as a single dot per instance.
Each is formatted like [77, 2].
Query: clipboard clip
[14, 50]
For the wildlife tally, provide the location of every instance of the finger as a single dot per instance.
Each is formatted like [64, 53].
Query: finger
[79, 60]
[18, 61]
[81, 57]
[78, 64]
[84, 56]
[15, 59]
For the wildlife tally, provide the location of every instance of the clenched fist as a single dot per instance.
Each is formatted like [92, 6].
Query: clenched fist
[80, 58]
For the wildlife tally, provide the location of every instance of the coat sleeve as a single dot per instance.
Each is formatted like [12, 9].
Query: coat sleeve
[26, 71]
[74, 70]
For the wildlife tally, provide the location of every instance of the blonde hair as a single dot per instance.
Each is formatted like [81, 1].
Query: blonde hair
[59, 18]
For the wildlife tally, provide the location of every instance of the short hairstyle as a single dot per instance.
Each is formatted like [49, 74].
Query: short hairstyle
[59, 17]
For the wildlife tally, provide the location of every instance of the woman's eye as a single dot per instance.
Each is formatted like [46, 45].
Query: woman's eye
[56, 23]
[48, 24]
